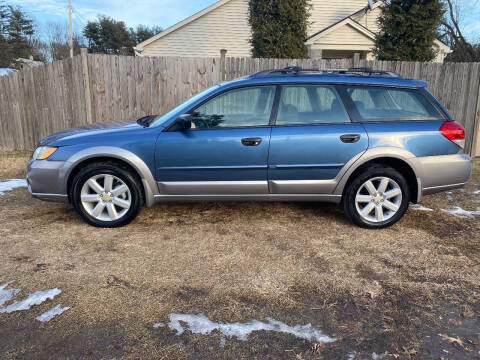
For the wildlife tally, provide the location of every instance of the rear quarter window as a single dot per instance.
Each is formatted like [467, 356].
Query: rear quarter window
[391, 104]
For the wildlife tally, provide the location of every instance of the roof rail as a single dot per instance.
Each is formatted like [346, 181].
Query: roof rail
[295, 70]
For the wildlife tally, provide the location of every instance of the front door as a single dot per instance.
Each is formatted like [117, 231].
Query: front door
[312, 140]
[225, 152]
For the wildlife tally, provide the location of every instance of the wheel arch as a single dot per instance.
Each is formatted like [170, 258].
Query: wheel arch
[398, 159]
[116, 155]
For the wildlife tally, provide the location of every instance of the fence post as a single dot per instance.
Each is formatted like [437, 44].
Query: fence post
[223, 65]
[86, 81]
[356, 60]
[476, 127]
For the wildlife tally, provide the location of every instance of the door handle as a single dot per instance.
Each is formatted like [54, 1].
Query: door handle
[251, 141]
[350, 138]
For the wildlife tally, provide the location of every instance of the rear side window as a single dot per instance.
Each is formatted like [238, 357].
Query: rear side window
[391, 104]
[310, 104]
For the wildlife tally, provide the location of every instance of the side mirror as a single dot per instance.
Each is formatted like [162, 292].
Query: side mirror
[183, 123]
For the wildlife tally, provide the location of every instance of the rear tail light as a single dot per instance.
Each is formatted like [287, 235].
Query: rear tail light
[454, 132]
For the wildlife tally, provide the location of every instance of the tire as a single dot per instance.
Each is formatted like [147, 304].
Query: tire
[118, 191]
[361, 203]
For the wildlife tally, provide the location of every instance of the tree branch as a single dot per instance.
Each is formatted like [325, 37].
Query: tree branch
[453, 30]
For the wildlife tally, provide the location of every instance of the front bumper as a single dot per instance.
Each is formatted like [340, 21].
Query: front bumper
[46, 180]
[445, 172]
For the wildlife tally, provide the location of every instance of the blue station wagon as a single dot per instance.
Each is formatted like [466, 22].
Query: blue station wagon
[368, 140]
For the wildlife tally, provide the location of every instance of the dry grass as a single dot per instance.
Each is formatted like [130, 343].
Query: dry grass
[13, 165]
[375, 291]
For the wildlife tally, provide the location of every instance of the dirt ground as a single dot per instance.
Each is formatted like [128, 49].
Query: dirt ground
[410, 291]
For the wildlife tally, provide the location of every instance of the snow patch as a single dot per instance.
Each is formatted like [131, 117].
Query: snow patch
[50, 314]
[6, 71]
[36, 298]
[476, 192]
[462, 214]
[449, 195]
[200, 324]
[222, 342]
[7, 294]
[158, 325]
[12, 184]
[378, 356]
[418, 207]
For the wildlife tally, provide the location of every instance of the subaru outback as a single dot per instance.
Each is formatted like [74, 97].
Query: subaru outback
[369, 140]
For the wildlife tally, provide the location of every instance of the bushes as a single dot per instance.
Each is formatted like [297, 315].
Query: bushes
[279, 28]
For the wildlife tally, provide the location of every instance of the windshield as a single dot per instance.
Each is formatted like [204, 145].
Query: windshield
[179, 110]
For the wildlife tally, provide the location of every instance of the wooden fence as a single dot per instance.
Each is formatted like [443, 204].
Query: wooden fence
[37, 102]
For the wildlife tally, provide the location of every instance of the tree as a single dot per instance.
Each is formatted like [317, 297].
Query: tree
[5, 50]
[20, 29]
[109, 36]
[39, 49]
[279, 28]
[452, 35]
[143, 33]
[16, 34]
[57, 44]
[408, 29]
[464, 52]
[3, 17]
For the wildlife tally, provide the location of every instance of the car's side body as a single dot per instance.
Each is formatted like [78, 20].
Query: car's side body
[295, 162]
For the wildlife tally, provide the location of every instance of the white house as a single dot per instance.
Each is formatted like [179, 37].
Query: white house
[338, 29]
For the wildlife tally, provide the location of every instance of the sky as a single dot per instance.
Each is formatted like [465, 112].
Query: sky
[470, 18]
[166, 13]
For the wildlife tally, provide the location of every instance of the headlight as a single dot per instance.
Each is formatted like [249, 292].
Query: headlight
[43, 152]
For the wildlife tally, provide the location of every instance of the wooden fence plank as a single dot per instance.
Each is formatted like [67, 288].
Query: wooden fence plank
[97, 88]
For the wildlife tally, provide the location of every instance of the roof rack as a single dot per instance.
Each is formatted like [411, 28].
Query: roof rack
[295, 70]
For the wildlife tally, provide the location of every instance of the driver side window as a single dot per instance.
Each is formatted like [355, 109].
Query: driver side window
[244, 107]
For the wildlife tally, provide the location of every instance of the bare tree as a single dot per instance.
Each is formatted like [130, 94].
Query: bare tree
[57, 41]
[39, 49]
[452, 34]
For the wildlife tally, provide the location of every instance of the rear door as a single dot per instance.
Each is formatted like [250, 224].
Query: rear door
[312, 140]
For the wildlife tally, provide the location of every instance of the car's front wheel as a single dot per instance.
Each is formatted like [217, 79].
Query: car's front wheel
[106, 195]
[377, 198]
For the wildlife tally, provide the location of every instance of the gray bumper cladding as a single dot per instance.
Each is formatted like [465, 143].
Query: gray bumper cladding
[46, 180]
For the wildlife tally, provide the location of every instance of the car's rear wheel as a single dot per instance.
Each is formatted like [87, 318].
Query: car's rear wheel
[106, 195]
[377, 198]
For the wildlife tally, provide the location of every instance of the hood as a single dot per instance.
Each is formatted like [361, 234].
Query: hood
[93, 129]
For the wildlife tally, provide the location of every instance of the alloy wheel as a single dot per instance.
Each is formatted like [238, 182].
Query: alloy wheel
[378, 199]
[106, 197]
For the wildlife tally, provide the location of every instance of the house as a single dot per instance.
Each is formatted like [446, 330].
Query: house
[338, 29]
